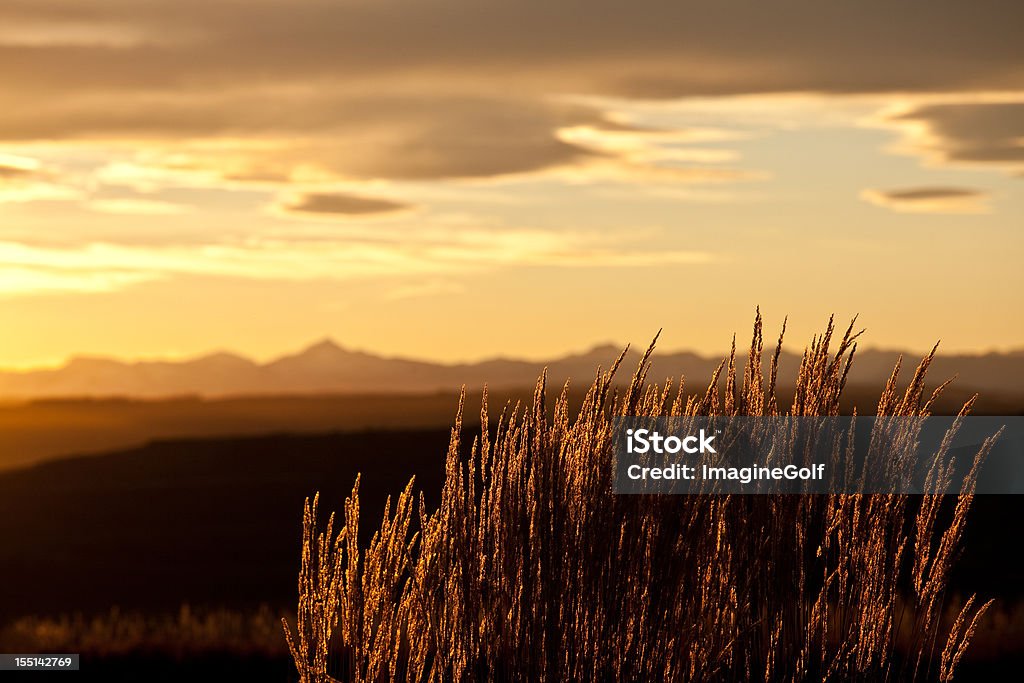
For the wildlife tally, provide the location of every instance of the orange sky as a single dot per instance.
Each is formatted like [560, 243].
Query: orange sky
[452, 180]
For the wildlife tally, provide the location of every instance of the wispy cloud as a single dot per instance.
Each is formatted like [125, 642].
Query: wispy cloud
[13, 167]
[930, 199]
[96, 267]
[333, 204]
[22, 281]
[965, 133]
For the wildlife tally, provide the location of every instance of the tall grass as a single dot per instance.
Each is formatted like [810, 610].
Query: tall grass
[531, 570]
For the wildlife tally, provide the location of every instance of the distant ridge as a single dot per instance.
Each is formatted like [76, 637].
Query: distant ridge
[327, 367]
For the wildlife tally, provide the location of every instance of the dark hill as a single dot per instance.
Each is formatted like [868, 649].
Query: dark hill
[213, 522]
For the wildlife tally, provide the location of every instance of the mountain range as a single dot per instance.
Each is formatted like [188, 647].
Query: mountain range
[327, 367]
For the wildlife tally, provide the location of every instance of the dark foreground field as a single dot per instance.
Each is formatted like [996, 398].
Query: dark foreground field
[214, 524]
[211, 522]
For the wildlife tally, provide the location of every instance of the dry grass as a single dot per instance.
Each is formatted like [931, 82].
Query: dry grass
[531, 570]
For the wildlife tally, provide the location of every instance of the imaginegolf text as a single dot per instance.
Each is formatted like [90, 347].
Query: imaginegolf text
[744, 475]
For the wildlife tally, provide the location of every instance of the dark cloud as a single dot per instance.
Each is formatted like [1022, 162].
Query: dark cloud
[413, 139]
[990, 133]
[452, 88]
[336, 203]
[919, 194]
[930, 199]
[658, 47]
[400, 137]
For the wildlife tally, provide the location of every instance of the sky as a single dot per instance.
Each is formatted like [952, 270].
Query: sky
[456, 180]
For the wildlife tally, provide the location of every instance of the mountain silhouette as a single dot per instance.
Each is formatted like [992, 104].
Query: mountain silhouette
[328, 367]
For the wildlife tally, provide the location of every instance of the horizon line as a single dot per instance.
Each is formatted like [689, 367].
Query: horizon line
[615, 348]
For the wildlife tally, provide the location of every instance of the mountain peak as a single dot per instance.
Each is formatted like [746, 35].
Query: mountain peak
[326, 344]
[319, 354]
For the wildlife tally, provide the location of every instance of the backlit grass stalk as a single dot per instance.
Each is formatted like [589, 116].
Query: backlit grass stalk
[531, 570]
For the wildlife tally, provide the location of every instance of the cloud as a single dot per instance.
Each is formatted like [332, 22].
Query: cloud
[663, 49]
[15, 168]
[23, 179]
[97, 267]
[930, 199]
[972, 133]
[323, 137]
[341, 204]
[298, 90]
[8, 173]
[21, 281]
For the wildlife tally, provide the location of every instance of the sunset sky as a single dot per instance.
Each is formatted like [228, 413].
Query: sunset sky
[457, 180]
